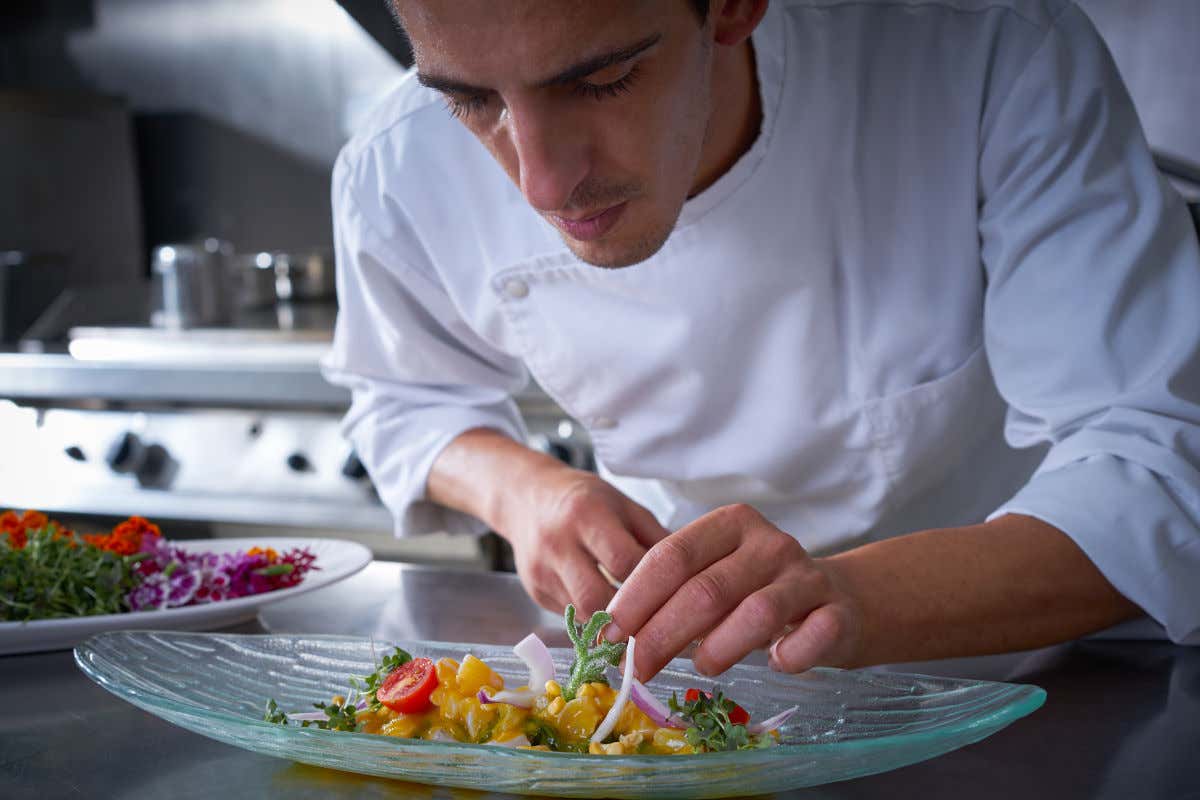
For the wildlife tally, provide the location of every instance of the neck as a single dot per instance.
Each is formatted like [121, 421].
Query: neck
[736, 114]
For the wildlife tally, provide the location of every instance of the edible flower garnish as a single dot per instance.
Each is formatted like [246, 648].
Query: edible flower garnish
[591, 657]
[47, 571]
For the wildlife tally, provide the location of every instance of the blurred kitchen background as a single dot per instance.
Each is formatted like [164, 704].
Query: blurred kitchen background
[165, 270]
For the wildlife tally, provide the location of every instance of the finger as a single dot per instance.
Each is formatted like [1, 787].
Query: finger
[586, 586]
[645, 526]
[691, 613]
[544, 587]
[815, 641]
[671, 563]
[616, 549]
[756, 621]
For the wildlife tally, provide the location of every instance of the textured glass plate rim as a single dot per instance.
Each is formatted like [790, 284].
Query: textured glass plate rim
[1028, 702]
[62, 632]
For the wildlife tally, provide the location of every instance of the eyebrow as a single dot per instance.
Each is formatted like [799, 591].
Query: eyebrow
[568, 75]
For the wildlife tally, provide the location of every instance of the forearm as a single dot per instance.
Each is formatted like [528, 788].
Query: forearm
[482, 469]
[1010, 584]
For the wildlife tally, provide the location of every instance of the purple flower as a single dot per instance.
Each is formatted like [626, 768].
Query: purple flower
[182, 587]
[149, 595]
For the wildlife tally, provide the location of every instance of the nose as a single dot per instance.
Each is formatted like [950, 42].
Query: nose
[551, 156]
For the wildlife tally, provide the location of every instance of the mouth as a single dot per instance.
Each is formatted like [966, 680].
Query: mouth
[590, 227]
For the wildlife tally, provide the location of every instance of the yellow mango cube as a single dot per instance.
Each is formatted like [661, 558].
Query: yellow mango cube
[473, 675]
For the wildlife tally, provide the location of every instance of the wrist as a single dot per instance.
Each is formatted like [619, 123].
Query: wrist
[486, 474]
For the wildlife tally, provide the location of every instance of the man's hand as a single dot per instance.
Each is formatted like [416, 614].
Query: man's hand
[736, 582]
[566, 525]
[561, 522]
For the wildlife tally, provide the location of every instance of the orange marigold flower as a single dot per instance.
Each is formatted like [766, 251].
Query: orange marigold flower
[126, 538]
[34, 520]
[270, 553]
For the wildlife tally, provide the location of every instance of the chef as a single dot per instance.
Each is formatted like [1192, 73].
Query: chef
[878, 314]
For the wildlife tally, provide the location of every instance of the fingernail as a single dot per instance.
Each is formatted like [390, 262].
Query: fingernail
[612, 632]
[774, 654]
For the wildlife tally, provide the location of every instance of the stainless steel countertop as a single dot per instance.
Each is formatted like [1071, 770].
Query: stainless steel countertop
[60, 376]
[37, 376]
[1122, 719]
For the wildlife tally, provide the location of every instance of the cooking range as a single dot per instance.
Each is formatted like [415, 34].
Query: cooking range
[229, 424]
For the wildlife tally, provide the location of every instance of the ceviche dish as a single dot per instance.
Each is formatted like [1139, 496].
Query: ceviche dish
[579, 712]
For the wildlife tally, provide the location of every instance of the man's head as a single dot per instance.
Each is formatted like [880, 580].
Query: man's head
[607, 114]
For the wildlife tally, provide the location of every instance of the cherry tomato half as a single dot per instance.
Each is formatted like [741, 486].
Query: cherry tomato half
[407, 688]
[738, 716]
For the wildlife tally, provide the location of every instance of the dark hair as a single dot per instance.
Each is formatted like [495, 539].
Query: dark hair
[701, 9]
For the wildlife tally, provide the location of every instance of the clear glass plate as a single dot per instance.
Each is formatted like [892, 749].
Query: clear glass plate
[850, 723]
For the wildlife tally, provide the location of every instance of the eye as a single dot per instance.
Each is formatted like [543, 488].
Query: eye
[463, 107]
[608, 82]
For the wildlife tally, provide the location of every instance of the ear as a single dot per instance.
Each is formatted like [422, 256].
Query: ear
[735, 20]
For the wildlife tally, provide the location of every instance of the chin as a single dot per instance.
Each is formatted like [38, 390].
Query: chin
[615, 253]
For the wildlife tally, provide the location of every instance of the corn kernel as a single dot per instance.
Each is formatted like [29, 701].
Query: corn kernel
[556, 706]
[553, 689]
[587, 690]
[595, 748]
[614, 749]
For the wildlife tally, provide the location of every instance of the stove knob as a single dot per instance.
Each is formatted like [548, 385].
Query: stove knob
[354, 469]
[298, 462]
[126, 453]
[153, 470]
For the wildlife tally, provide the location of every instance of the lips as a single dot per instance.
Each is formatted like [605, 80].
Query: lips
[591, 227]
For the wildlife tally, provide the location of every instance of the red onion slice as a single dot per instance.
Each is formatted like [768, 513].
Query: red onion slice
[610, 719]
[536, 655]
[771, 723]
[518, 697]
[654, 708]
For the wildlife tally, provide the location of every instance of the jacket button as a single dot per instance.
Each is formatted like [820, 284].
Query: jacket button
[516, 289]
[603, 423]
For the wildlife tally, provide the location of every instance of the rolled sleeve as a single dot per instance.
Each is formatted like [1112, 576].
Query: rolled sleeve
[418, 374]
[1091, 323]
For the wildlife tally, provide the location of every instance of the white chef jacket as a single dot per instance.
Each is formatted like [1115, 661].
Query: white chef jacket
[945, 282]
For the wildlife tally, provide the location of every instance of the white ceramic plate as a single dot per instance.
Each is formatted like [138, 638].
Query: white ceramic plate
[336, 558]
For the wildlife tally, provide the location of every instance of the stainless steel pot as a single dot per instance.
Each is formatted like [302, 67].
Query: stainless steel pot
[304, 275]
[253, 280]
[189, 284]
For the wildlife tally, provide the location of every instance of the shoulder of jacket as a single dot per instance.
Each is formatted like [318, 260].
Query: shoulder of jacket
[408, 133]
[1039, 13]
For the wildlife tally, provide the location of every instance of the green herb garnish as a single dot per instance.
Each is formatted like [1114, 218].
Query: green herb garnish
[274, 715]
[58, 575]
[541, 733]
[341, 718]
[711, 727]
[590, 658]
[367, 685]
